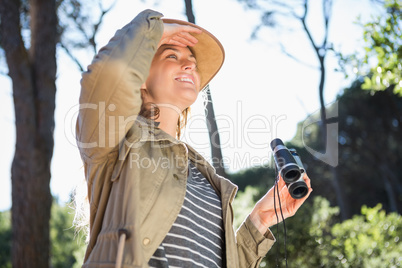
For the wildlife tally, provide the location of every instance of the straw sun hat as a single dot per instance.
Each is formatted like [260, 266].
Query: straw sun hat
[208, 52]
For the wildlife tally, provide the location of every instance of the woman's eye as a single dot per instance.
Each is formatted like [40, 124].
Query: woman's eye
[172, 56]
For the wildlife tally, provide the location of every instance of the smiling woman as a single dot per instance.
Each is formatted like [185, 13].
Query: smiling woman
[153, 200]
[174, 80]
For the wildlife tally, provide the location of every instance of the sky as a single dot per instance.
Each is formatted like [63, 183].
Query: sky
[258, 95]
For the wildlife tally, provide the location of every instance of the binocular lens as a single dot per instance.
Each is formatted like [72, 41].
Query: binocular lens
[298, 189]
[290, 173]
[291, 169]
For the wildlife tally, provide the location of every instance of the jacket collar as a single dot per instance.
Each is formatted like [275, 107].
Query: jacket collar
[146, 121]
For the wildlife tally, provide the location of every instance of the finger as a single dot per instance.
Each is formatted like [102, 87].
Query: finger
[173, 29]
[307, 180]
[172, 42]
[281, 182]
[188, 37]
[189, 29]
[179, 40]
[185, 40]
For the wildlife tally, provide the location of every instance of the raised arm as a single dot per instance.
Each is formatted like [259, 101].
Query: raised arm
[110, 90]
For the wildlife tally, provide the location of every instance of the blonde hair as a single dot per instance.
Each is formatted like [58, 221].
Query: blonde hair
[150, 110]
[80, 203]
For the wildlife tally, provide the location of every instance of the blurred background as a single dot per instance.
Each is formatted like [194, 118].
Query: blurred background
[322, 75]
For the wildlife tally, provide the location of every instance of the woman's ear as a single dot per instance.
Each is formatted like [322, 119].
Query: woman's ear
[143, 86]
[144, 93]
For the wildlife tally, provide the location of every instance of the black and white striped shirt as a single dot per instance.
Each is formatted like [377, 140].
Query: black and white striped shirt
[196, 237]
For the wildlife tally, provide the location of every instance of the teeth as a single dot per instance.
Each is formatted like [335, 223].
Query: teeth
[185, 79]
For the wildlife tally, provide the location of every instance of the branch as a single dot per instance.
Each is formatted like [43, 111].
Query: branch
[19, 70]
[327, 10]
[290, 8]
[306, 29]
[11, 39]
[72, 57]
[283, 49]
[189, 11]
[89, 38]
[97, 25]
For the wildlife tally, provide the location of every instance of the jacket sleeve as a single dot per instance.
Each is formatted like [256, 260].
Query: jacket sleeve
[110, 89]
[252, 246]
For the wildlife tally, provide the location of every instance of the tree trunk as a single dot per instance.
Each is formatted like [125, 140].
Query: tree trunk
[214, 138]
[389, 187]
[33, 75]
[340, 196]
[216, 149]
[321, 53]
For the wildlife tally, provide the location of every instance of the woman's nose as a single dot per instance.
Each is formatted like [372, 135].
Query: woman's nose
[189, 65]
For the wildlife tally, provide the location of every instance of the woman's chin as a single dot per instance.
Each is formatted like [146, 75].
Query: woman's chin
[190, 95]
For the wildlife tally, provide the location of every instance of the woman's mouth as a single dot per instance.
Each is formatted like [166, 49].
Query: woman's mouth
[185, 79]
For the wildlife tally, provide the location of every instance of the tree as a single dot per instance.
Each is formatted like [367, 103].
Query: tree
[367, 240]
[216, 149]
[315, 237]
[299, 10]
[370, 129]
[370, 158]
[33, 72]
[382, 50]
[30, 32]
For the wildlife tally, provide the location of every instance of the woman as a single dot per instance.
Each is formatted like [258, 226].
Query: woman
[154, 201]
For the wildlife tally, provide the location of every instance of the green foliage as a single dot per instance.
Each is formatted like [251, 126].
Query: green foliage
[370, 131]
[369, 134]
[382, 50]
[243, 204]
[5, 239]
[367, 240]
[383, 37]
[305, 245]
[67, 249]
[262, 177]
[316, 238]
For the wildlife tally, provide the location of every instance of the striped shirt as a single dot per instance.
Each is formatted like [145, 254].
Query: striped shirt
[196, 237]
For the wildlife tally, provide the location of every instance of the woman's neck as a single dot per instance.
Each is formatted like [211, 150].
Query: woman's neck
[168, 117]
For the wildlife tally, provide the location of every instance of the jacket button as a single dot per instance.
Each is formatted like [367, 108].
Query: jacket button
[146, 241]
[175, 176]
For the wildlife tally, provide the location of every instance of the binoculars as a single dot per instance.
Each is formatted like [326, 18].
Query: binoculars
[290, 168]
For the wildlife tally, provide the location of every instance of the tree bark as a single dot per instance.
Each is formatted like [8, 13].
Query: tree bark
[33, 74]
[216, 149]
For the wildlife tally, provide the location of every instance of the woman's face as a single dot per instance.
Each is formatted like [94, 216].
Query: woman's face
[173, 78]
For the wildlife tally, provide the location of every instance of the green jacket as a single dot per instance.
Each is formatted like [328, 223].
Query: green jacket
[136, 173]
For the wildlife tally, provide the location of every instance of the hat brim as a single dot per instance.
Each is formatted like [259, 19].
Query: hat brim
[208, 52]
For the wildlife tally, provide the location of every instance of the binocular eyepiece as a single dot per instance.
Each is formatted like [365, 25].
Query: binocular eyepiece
[290, 167]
